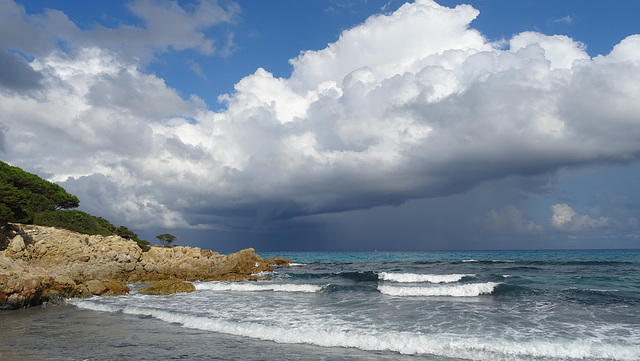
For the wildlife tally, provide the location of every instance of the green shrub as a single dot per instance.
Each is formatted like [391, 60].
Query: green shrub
[143, 244]
[125, 232]
[74, 220]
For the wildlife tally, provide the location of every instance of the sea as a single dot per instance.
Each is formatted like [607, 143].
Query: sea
[489, 305]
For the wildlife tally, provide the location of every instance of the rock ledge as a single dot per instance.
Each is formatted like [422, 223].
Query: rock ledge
[45, 265]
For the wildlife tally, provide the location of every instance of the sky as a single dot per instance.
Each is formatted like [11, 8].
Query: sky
[333, 125]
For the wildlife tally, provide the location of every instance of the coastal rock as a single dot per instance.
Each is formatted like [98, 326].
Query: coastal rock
[167, 287]
[45, 264]
[23, 285]
[278, 261]
[16, 244]
[107, 288]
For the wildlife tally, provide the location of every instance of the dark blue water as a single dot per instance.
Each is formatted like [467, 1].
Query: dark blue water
[559, 305]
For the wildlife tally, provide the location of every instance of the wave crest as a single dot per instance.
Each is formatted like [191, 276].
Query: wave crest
[256, 287]
[419, 278]
[465, 290]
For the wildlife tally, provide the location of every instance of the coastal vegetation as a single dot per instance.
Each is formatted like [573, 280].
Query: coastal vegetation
[166, 239]
[28, 199]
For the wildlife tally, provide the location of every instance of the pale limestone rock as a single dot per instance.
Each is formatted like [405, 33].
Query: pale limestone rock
[16, 245]
[107, 287]
[44, 263]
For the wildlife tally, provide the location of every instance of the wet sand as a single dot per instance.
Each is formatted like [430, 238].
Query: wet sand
[66, 332]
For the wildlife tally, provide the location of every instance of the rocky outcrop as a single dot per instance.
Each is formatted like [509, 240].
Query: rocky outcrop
[23, 285]
[46, 264]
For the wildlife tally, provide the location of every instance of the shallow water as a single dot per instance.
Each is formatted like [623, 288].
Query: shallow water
[64, 333]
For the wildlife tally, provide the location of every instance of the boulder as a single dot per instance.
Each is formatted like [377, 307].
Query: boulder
[107, 287]
[167, 287]
[278, 261]
[16, 245]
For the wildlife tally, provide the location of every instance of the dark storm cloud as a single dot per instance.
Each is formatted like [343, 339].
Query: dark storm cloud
[16, 74]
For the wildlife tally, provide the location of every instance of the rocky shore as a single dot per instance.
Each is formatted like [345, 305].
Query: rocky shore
[41, 265]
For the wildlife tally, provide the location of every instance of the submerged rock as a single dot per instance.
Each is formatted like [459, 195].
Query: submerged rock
[45, 264]
[167, 287]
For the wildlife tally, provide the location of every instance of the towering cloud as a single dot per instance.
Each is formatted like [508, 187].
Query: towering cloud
[408, 105]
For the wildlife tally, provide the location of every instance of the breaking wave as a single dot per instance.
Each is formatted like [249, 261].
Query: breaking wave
[462, 290]
[256, 287]
[486, 348]
[418, 278]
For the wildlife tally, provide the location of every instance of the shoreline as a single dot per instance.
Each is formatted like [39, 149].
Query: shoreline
[67, 332]
[341, 307]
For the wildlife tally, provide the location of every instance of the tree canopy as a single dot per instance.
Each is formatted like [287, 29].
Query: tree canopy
[166, 238]
[23, 195]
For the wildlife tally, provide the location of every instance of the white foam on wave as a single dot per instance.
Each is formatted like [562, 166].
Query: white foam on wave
[94, 306]
[419, 278]
[598, 290]
[461, 290]
[262, 274]
[455, 346]
[297, 264]
[256, 287]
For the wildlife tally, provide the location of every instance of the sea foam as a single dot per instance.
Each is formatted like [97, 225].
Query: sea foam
[497, 349]
[460, 290]
[256, 287]
[418, 278]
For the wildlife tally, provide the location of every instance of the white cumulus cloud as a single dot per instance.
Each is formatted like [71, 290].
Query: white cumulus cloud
[567, 219]
[408, 105]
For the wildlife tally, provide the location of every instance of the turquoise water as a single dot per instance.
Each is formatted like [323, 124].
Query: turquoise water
[537, 255]
[507, 305]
